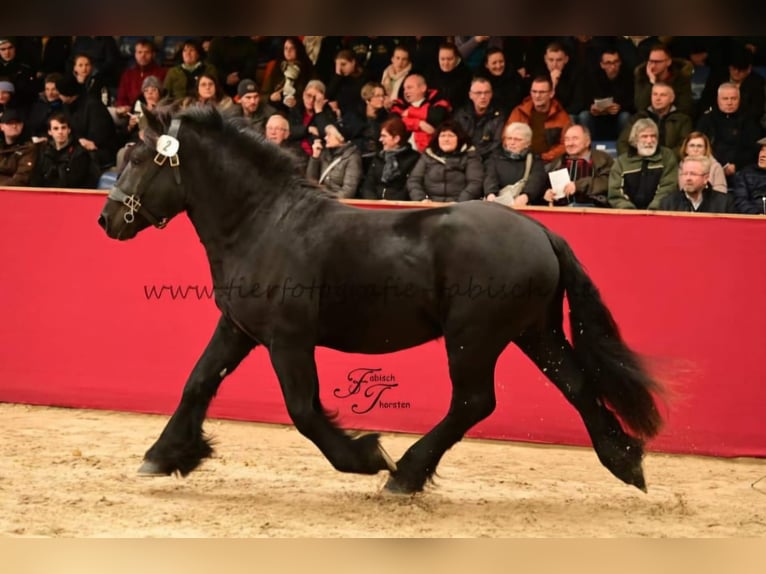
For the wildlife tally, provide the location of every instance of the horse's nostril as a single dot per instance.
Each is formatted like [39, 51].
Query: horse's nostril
[102, 221]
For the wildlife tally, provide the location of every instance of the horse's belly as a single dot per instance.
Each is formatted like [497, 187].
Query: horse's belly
[377, 333]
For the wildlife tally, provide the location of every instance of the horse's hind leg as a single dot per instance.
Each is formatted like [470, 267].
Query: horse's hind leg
[617, 451]
[182, 444]
[296, 369]
[471, 367]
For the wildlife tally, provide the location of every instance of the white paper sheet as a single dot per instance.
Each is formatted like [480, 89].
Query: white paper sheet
[603, 103]
[559, 178]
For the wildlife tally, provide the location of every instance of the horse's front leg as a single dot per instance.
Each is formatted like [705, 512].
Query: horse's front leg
[182, 444]
[296, 369]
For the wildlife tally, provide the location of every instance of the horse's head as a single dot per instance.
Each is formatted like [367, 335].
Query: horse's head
[149, 190]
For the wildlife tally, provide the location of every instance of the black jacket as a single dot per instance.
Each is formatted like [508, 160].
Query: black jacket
[373, 186]
[712, 202]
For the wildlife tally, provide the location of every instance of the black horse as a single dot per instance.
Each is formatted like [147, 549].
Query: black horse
[294, 268]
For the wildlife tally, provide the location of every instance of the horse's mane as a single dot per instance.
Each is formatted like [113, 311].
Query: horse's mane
[236, 130]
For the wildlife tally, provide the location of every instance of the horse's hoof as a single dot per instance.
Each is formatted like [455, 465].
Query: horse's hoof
[387, 458]
[393, 486]
[150, 468]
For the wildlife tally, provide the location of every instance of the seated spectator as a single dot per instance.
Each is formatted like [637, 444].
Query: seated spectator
[8, 96]
[149, 100]
[739, 72]
[394, 74]
[588, 171]
[481, 120]
[451, 78]
[566, 78]
[48, 102]
[131, 84]
[17, 156]
[646, 173]
[90, 82]
[749, 187]
[612, 81]
[507, 85]
[91, 122]
[362, 126]
[336, 165]
[514, 175]
[310, 116]
[345, 85]
[662, 67]
[674, 126]
[449, 169]
[277, 130]
[250, 106]
[181, 80]
[386, 178]
[473, 49]
[421, 110]
[546, 117]
[697, 144]
[694, 193]
[209, 93]
[286, 77]
[18, 73]
[63, 162]
[732, 133]
[104, 55]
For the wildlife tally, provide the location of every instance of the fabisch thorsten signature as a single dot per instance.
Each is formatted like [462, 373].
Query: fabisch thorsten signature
[370, 385]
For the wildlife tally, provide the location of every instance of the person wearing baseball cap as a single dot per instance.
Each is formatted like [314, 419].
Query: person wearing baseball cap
[17, 154]
[249, 105]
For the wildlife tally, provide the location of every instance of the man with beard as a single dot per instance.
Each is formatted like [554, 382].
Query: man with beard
[646, 173]
[695, 194]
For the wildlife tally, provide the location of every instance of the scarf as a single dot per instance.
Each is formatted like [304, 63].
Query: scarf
[392, 80]
[512, 155]
[291, 71]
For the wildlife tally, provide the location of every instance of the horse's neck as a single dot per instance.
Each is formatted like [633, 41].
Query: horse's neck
[231, 232]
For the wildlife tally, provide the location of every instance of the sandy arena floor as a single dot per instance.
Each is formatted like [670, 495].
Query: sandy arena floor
[72, 473]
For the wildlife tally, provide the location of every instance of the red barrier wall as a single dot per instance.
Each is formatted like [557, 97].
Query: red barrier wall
[79, 331]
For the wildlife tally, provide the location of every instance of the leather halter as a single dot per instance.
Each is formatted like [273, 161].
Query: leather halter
[133, 200]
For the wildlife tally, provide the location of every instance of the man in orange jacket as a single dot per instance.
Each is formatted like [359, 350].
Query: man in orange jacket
[547, 118]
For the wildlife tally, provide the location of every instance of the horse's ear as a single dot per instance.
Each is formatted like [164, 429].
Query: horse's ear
[152, 122]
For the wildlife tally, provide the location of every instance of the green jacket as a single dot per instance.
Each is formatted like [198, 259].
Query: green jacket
[637, 182]
[674, 127]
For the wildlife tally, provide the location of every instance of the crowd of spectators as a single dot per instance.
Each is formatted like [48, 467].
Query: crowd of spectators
[519, 120]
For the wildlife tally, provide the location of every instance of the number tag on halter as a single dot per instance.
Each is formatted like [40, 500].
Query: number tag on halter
[167, 145]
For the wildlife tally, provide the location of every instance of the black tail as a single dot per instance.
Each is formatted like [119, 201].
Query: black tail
[619, 377]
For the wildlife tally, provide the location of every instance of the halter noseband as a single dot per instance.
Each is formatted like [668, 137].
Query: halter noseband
[167, 148]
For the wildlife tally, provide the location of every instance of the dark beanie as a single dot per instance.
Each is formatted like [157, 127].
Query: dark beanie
[68, 86]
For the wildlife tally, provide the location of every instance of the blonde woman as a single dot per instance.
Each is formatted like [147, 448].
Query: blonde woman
[697, 144]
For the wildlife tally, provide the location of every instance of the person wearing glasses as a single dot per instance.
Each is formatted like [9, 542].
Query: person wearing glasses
[662, 67]
[609, 93]
[543, 113]
[697, 144]
[694, 193]
[482, 119]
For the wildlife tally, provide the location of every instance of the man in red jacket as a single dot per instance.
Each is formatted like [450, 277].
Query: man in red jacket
[133, 78]
[422, 110]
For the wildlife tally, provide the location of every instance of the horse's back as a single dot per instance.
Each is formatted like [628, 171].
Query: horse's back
[473, 265]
